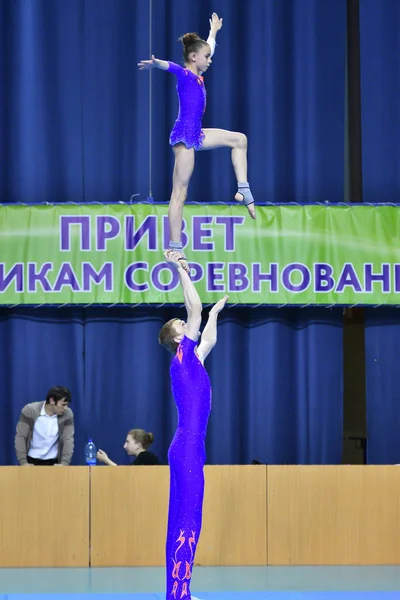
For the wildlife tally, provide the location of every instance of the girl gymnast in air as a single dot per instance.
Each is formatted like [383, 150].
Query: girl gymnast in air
[187, 134]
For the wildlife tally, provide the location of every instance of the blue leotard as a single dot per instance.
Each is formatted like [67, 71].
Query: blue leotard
[192, 394]
[192, 103]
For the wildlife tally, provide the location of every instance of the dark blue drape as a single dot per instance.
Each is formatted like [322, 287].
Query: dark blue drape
[78, 124]
[380, 99]
[281, 395]
[38, 349]
[276, 377]
[74, 109]
[269, 80]
[382, 351]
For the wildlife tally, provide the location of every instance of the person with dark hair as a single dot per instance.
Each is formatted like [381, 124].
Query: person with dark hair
[137, 443]
[45, 431]
[187, 134]
[191, 390]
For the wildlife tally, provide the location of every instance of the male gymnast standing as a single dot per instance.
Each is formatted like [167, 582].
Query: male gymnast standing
[186, 456]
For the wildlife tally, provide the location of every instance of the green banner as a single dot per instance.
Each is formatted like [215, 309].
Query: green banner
[107, 254]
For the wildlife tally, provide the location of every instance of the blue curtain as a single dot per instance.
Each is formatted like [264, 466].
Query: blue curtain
[382, 351]
[80, 123]
[380, 99]
[277, 387]
[74, 109]
[38, 349]
[276, 378]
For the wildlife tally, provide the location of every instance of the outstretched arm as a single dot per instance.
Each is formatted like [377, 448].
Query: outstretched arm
[191, 297]
[209, 335]
[153, 63]
[215, 26]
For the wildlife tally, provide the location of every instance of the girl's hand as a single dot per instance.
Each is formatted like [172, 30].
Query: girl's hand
[215, 23]
[144, 65]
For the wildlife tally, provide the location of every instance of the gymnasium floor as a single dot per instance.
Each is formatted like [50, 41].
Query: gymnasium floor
[223, 583]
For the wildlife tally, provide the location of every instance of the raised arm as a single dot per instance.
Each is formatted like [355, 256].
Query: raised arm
[191, 297]
[209, 335]
[215, 26]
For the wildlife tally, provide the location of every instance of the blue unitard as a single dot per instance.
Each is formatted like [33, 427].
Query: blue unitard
[186, 456]
[192, 104]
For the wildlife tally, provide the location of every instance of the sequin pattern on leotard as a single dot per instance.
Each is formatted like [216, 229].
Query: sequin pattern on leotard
[192, 103]
[186, 456]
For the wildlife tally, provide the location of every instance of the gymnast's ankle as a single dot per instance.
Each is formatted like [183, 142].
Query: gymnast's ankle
[176, 246]
[244, 194]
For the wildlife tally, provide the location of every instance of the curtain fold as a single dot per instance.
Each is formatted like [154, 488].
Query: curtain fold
[75, 115]
[276, 376]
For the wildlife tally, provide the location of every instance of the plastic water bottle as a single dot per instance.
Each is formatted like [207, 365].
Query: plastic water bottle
[90, 453]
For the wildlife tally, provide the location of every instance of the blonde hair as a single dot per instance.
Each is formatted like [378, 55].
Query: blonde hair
[145, 438]
[167, 335]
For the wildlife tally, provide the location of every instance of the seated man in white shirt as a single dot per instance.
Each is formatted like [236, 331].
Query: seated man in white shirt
[45, 431]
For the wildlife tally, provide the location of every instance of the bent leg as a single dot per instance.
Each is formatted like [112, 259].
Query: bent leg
[220, 138]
